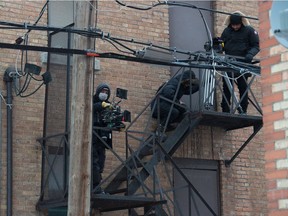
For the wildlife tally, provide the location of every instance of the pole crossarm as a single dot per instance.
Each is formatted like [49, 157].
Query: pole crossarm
[91, 53]
[193, 59]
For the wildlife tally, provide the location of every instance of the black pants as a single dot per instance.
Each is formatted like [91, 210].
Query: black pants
[165, 107]
[242, 87]
[98, 162]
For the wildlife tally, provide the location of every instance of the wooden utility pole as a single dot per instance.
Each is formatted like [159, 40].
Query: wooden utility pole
[81, 115]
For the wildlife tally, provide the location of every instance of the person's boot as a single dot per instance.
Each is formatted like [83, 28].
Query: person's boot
[96, 181]
[160, 133]
[242, 111]
[171, 126]
[99, 190]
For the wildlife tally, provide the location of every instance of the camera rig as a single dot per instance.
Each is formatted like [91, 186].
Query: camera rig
[217, 45]
[114, 116]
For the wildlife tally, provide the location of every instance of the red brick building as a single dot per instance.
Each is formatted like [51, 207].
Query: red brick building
[274, 88]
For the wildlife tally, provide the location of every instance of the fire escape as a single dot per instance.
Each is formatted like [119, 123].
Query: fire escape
[142, 182]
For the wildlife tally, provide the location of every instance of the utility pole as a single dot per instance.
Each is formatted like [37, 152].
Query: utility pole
[81, 115]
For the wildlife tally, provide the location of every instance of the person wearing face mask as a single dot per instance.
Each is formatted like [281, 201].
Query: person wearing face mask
[99, 146]
[240, 39]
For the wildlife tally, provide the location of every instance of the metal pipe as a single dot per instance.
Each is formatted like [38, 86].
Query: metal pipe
[256, 130]
[8, 79]
[43, 144]
[67, 115]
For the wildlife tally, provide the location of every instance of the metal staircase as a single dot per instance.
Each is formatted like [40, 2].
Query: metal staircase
[137, 168]
[137, 184]
[131, 175]
[137, 175]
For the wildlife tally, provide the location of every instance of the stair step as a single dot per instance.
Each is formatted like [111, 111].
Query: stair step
[173, 141]
[118, 191]
[123, 176]
[107, 203]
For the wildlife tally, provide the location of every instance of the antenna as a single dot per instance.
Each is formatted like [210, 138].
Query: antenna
[279, 21]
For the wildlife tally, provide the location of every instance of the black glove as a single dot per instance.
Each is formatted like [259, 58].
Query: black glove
[218, 44]
[248, 58]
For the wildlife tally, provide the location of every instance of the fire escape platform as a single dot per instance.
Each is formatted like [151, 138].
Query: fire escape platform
[106, 203]
[228, 121]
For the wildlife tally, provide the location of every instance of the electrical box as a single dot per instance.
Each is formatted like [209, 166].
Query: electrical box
[96, 64]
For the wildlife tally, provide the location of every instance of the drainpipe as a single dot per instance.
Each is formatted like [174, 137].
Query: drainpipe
[8, 79]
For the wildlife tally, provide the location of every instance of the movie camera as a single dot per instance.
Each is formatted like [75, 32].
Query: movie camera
[217, 45]
[114, 116]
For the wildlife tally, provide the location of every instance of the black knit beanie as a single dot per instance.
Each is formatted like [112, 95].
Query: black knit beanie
[235, 19]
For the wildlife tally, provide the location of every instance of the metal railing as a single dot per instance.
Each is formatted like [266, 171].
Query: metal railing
[143, 178]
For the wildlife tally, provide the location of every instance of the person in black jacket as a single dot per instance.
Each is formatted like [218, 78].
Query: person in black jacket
[240, 39]
[99, 145]
[182, 84]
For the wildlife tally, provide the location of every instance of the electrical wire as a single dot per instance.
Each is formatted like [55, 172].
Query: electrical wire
[27, 81]
[39, 16]
[101, 10]
[112, 41]
[209, 35]
[173, 3]
[140, 8]
[102, 35]
[185, 4]
[3, 99]
[16, 64]
[117, 41]
[25, 38]
[33, 91]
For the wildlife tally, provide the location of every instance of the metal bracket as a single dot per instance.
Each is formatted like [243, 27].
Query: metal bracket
[256, 130]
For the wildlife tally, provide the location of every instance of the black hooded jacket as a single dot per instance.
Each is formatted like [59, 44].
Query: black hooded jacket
[242, 42]
[170, 88]
[97, 103]
[98, 114]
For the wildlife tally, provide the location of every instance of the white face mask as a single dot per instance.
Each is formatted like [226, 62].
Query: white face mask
[103, 96]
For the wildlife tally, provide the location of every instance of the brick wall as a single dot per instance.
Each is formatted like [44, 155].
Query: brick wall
[141, 80]
[242, 184]
[27, 112]
[274, 88]
[243, 187]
